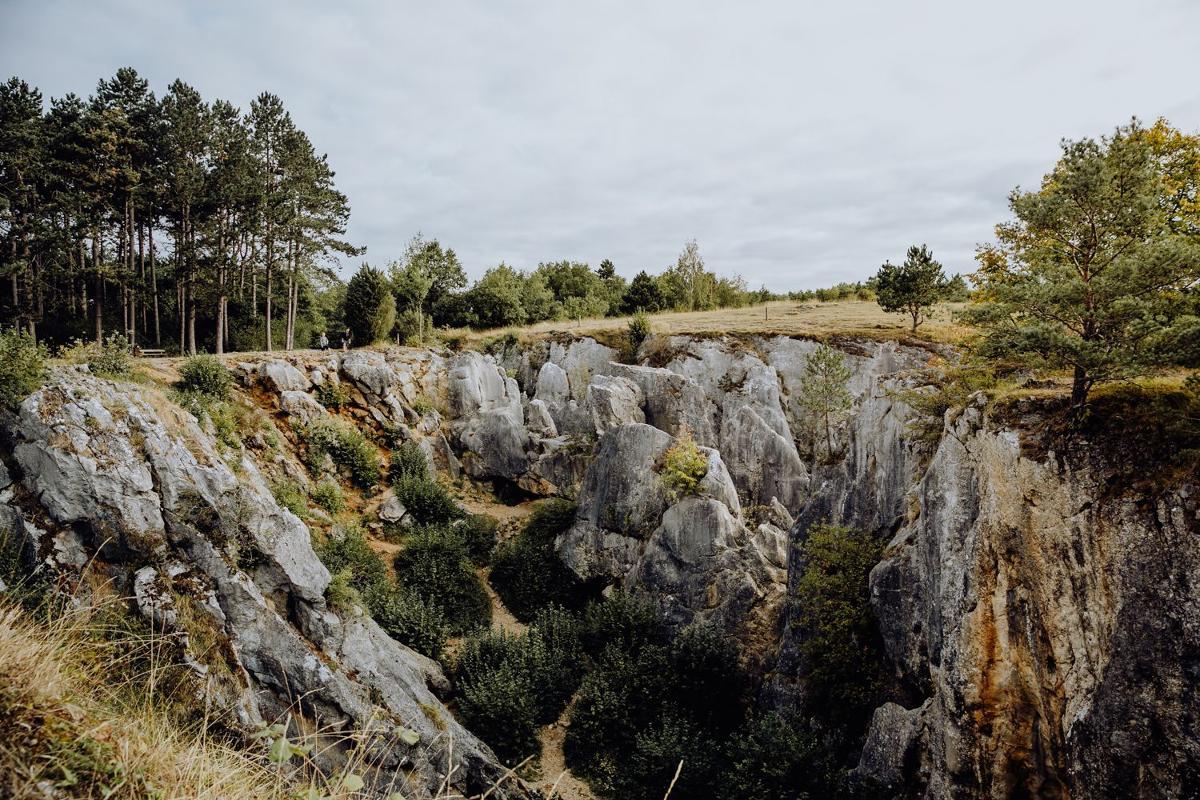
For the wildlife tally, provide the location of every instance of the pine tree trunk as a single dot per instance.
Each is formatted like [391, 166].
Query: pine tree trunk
[267, 288]
[154, 285]
[1080, 386]
[97, 293]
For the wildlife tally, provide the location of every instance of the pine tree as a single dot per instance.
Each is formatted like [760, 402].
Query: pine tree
[913, 287]
[370, 308]
[824, 394]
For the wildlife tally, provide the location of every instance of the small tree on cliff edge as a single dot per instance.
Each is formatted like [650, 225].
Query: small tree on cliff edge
[913, 287]
[370, 309]
[824, 395]
[1098, 270]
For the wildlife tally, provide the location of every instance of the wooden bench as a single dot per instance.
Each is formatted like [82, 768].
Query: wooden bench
[151, 352]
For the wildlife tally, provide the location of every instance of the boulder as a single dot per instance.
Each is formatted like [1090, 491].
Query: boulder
[280, 376]
[301, 407]
[369, 373]
[614, 401]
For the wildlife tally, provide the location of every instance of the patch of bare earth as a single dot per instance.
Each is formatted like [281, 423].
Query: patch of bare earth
[554, 779]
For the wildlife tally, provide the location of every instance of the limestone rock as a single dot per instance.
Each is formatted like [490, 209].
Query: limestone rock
[302, 407]
[280, 376]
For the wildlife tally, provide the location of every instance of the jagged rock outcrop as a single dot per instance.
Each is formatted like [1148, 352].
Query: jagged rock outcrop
[1047, 627]
[136, 493]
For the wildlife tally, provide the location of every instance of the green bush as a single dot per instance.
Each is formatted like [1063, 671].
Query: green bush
[328, 495]
[290, 495]
[369, 309]
[478, 534]
[833, 609]
[341, 594]
[498, 707]
[684, 466]
[637, 333]
[348, 448]
[533, 674]
[205, 375]
[22, 367]
[627, 621]
[656, 754]
[346, 549]
[112, 357]
[428, 501]
[409, 620]
[409, 461]
[778, 757]
[332, 394]
[435, 567]
[527, 573]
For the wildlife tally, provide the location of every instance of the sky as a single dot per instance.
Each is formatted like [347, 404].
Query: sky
[800, 143]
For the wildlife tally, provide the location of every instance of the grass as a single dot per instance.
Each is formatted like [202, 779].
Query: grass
[90, 708]
[847, 318]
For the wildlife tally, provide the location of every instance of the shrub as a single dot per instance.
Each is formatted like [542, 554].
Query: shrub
[636, 333]
[497, 706]
[833, 609]
[527, 573]
[290, 495]
[348, 448]
[534, 673]
[656, 754]
[409, 461]
[347, 549]
[205, 375]
[409, 619]
[434, 566]
[340, 594]
[478, 534]
[427, 500]
[22, 367]
[369, 309]
[684, 466]
[328, 495]
[620, 698]
[777, 757]
[332, 394]
[627, 621]
[113, 356]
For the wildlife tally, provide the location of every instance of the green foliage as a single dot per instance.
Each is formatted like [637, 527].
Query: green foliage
[409, 619]
[332, 394]
[205, 375]
[636, 333]
[328, 495]
[341, 594]
[833, 608]
[346, 549]
[290, 495]
[478, 535]
[22, 367]
[498, 706]
[348, 448]
[427, 500]
[643, 295]
[434, 566]
[951, 389]
[532, 676]
[627, 621]
[683, 467]
[1095, 271]
[913, 287]
[370, 308]
[657, 751]
[113, 357]
[824, 395]
[781, 757]
[527, 573]
[409, 461]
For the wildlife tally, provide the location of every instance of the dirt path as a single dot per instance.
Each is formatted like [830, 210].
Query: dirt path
[553, 772]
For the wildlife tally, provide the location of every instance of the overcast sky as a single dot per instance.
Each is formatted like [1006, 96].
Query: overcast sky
[800, 143]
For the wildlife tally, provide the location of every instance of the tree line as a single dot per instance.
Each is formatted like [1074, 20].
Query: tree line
[169, 220]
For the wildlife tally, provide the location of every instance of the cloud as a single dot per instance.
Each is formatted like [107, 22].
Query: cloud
[801, 144]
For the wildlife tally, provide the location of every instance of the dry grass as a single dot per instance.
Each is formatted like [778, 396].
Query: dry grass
[848, 318]
[88, 709]
[74, 731]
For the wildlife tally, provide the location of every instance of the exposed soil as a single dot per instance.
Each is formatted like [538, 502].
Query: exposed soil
[552, 770]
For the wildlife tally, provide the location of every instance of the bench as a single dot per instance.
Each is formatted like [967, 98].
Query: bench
[151, 352]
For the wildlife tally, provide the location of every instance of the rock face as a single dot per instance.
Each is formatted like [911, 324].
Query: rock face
[137, 492]
[1049, 630]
